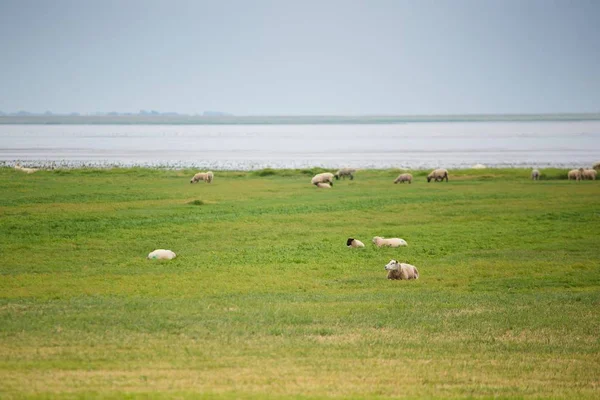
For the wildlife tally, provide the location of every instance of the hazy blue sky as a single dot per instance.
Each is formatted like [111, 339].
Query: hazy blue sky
[301, 57]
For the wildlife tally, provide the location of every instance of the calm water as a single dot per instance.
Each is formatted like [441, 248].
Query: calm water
[406, 145]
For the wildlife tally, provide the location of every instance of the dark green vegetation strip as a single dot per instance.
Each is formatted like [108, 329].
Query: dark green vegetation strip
[265, 301]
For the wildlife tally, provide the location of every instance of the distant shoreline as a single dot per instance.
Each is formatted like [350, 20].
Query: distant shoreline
[287, 120]
[57, 164]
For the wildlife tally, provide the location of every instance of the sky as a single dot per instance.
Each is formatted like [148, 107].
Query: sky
[300, 57]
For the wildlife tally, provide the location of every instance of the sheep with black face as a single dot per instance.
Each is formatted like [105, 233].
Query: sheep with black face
[351, 242]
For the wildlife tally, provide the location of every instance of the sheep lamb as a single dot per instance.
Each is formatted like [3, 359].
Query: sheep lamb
[438, 174]
[403, 178]
[18, 167]
[161, 254]
[321, 185]
[325, 177]
[575, 174]
[589, 174]
[344, 172]
[392, 242]
[354, 243]
[402, 271]
[203, 176]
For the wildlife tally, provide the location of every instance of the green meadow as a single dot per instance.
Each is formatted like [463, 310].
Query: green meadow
[265, 301]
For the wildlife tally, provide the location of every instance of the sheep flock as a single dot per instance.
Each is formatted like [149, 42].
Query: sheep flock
[395, 270]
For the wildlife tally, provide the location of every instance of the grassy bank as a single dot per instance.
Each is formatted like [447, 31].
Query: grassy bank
[265, 301]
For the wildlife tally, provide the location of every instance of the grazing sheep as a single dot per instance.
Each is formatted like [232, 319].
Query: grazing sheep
[323, 185]
[575, 174]
[203, 176]
[325, 177]
[596, 166]
[589, 174]
[535, 175]
[392, 242]
[438, 174]
[354, 243]
[402, 271]
[18, 167]
[404, 178]
[161, 254]
[344, 172]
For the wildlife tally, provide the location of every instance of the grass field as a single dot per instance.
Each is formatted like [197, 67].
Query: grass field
[265, 301]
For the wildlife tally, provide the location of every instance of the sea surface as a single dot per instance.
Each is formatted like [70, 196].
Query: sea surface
[413, 145]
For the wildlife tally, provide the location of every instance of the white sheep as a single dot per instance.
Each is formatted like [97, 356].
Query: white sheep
[344, 172]
[161, 254]
[325, 177]
[203, 176]
[403, 178]
[535, 175]
[397, 270]
[321, 185]
[392, 242]
[351, 242]
[596, 166]
[438, 174]
[575, 174]
[18, 167]
[589, 174]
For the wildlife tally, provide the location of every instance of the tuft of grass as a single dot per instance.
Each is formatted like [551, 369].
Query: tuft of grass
[265, 172]
[197, 202]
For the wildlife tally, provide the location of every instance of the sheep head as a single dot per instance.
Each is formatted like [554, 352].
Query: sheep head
[349, 241]
[393, 265]
[376, 239]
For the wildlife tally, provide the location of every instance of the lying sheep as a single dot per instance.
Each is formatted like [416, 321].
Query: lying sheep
[161, 254]
[323, 185]
[203, 176]
[354, 243]
[18, 167]
[392, 242]
[589, 174]
[344, 172]
[535, 175]
[404, 178]
[575, 174]
[402, 271]
[438, 174]
[325, 177]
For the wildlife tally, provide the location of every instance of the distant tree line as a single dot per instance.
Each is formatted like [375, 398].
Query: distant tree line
[22, 113]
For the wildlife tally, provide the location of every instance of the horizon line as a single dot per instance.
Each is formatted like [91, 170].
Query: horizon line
[113, 114]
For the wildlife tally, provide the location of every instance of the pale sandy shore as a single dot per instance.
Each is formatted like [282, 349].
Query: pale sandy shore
[250, 165]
